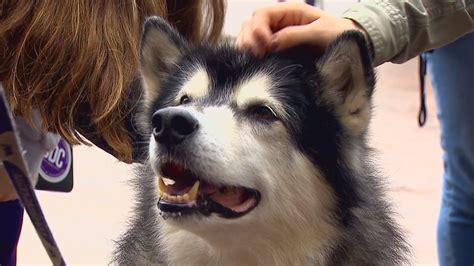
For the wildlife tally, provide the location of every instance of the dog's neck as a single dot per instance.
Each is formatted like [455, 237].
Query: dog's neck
[253, 247]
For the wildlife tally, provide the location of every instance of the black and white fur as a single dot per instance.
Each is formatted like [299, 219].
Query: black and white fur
[322, 202]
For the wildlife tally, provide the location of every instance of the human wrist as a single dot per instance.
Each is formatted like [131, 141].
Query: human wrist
[7, 195]
[7, 192]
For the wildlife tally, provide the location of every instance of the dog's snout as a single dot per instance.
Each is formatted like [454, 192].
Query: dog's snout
[173, 125]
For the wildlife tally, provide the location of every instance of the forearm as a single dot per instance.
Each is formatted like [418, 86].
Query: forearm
[402, 29]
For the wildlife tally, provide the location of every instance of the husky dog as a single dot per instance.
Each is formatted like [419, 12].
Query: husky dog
[257, 161]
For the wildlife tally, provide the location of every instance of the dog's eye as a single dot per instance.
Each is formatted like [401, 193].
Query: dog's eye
[184, 99]
[263, 112]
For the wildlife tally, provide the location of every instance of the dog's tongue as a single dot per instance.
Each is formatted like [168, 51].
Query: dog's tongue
[231, 198]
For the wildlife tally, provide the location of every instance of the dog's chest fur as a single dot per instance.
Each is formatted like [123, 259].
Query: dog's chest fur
[185, 248]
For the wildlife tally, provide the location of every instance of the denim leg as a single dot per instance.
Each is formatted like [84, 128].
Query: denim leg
[451, 69]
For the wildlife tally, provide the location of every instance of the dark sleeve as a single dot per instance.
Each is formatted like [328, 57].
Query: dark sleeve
[11, 220]
[89, 131]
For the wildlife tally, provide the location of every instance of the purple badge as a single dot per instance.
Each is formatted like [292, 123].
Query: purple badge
[56, 164]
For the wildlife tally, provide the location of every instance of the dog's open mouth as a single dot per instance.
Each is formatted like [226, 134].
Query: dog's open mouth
[181, 192]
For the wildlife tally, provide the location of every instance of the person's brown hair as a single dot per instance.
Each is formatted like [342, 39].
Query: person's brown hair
[57, 55]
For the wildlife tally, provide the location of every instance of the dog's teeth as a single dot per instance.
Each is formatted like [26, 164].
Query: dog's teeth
[193, 191]
[168, 182]
[161, 185]
[185, 197]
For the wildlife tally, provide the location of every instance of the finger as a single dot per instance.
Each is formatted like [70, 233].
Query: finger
[257, 34]
[282, 15]
[261, 34]
[242, 41]
[246, 42]
[254, 37]
[294, 35]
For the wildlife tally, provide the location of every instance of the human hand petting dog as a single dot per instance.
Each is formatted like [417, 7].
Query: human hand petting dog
[284, 25]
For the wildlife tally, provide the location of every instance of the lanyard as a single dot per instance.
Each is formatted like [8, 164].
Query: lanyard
[16, 168]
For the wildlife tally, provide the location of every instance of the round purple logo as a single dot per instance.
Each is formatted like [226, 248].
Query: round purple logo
[57, 163]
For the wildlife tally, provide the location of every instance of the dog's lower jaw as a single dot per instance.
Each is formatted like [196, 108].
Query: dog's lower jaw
[292, 230]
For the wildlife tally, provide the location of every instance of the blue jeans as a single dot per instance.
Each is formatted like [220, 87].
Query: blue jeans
[451, 69]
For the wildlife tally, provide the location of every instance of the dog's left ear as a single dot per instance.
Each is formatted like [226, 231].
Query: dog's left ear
[348, 80]
[161, 48]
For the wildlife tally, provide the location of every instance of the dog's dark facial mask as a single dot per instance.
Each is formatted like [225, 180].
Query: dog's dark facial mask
[324, 105]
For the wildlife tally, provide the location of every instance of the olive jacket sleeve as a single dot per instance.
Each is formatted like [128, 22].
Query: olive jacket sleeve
[401, 29]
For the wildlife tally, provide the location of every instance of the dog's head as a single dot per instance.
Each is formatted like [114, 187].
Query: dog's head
[235, 139]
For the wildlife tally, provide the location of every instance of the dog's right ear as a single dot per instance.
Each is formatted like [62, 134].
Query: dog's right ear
[161, 48]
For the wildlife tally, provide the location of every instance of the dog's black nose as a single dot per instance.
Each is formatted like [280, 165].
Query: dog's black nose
[172, 125]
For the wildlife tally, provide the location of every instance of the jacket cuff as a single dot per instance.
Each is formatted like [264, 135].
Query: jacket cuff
[386, 28]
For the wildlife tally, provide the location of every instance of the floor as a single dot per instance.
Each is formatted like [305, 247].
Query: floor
[86, 221]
